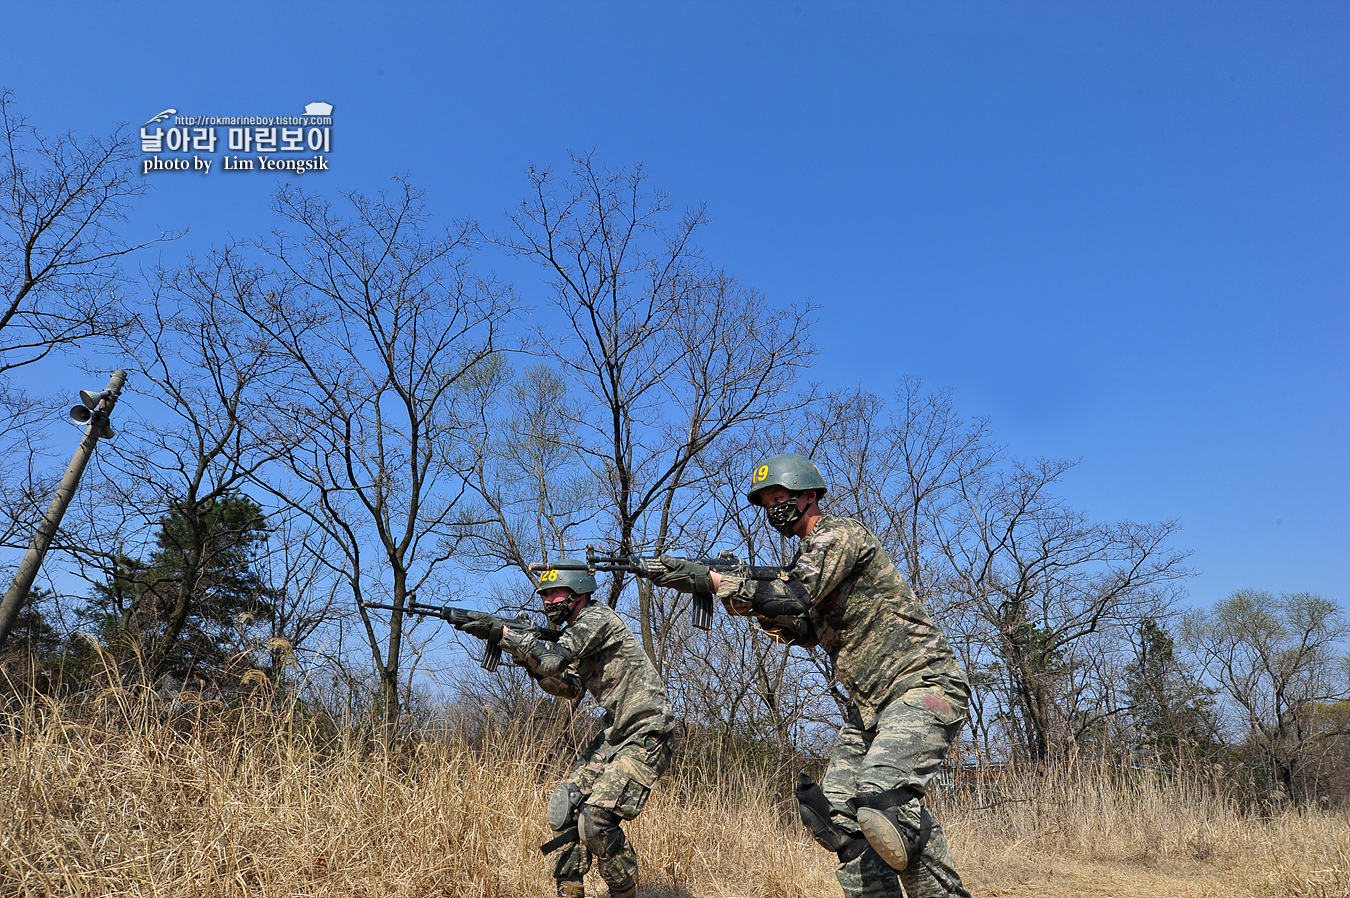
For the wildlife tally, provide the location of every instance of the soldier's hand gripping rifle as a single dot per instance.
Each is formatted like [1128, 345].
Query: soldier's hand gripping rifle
[460, 617]
[649, 566]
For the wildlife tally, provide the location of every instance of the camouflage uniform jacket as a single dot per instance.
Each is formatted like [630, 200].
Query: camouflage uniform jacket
[607, 661]
[865, 616]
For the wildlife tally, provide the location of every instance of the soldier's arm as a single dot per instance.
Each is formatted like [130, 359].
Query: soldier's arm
[588, 634]
[564, 685]
[583, 637]
[551, 664]
[787, 624]
[825, 561]
[796, 630]
[518, 642]
[779, 607]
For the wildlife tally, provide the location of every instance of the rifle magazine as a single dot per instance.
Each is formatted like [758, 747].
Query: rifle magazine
[492, 656]
[701, 610]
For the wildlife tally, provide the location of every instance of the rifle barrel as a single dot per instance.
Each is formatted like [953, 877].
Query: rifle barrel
[538, 566]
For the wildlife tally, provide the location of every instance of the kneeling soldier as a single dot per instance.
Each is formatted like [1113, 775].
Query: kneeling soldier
[615, 773]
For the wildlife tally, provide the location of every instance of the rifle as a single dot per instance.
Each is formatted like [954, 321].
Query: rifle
[701, 610]
[492, 653]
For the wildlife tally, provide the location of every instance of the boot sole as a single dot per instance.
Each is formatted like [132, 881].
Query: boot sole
[884, 837]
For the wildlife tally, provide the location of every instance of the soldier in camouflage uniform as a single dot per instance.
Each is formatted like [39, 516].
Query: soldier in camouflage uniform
[615, 773]
[908, 695]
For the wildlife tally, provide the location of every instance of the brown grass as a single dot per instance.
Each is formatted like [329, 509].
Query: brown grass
[126, 797]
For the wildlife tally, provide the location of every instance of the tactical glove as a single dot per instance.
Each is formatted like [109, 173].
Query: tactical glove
[683, 575]
[488, 627]
[797, 631]
[788, 599]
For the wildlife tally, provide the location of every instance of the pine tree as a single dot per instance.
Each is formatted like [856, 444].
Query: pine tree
[1172, 712]
[185, 609]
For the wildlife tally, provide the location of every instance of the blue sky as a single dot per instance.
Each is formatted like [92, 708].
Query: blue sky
[1119, 231]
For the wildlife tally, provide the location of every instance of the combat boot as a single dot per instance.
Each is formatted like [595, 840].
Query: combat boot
[898, 843]
[626, 890]
[892, 836]
[571, 888]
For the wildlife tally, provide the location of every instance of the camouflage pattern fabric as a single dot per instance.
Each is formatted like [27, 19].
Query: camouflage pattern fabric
[865, 616]
[617, 770]
[620, 779]
[904, 749]
[608, 662]
[908, 694]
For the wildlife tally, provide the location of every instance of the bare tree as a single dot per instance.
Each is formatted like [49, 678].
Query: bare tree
[387, 330]
[533, 494]
[192, 438]
[1044, 578]
[58, 251]
[670, 354]
[61, 199]
[1278, 664]
[309, 611]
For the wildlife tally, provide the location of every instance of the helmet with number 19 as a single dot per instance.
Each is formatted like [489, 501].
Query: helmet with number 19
[794, 473]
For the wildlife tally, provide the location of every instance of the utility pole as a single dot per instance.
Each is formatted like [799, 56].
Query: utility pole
[95, 410]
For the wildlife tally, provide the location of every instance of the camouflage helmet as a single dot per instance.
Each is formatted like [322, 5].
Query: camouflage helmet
[581, 582]
[792, 472]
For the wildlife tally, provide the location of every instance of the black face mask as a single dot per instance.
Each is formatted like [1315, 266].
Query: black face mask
[557, 612]
[785, 515]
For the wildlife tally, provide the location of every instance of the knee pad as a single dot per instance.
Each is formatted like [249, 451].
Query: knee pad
[599, 829]
[897, 842]
[562, 806]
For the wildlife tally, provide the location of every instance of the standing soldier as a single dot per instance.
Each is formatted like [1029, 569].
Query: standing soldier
[615, 773]
[907, 693]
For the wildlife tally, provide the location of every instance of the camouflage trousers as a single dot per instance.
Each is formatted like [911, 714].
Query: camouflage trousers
[615, 778]
[903, 749]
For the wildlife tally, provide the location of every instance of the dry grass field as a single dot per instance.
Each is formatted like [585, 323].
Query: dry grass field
[124, 798]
